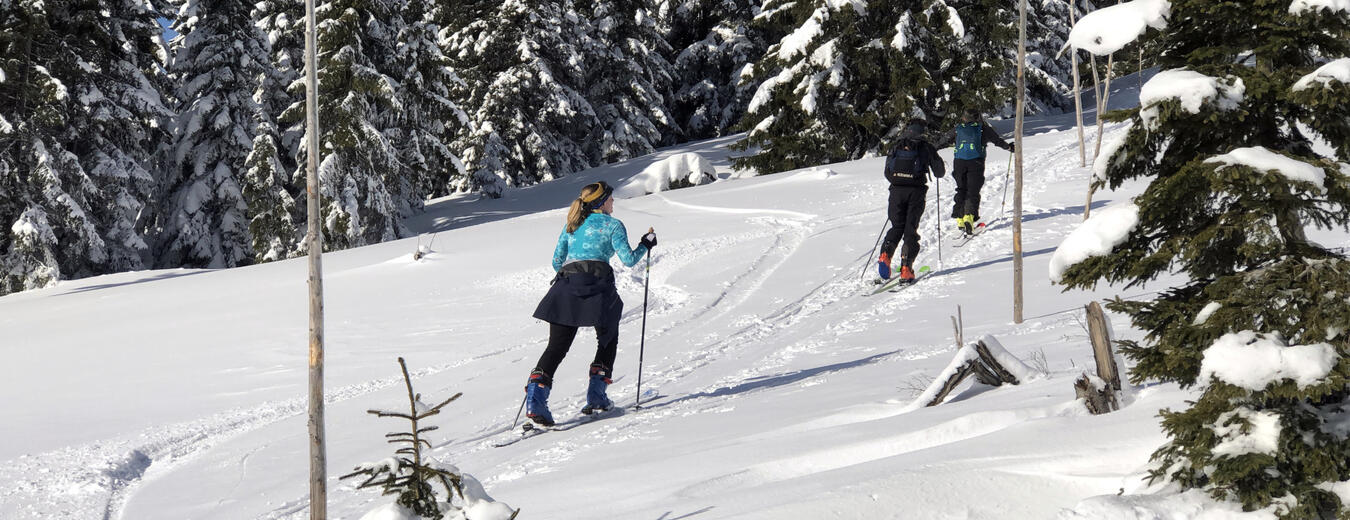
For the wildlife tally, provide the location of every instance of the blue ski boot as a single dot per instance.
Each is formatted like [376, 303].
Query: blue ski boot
[536, 399]
[596, 400]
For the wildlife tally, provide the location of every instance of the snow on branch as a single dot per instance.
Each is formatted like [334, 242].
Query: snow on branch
[1299, 7]
[1110, 29]
[1260, 159]
[1338, 70]
[1192, 89]
[1097, 236]
[1253, 361]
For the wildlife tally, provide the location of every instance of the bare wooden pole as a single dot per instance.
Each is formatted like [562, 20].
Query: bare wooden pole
[1078, 92]
[318, 459]
[1017, 136]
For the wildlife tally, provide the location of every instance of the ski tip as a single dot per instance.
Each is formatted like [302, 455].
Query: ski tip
[925, 269]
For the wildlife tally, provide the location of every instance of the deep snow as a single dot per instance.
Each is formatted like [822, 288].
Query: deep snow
[776, 390]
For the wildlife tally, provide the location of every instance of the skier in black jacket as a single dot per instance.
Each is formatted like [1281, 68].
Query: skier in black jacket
[972, 135]
[907, 169]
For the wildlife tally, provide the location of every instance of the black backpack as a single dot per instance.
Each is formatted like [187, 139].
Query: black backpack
[907, 164]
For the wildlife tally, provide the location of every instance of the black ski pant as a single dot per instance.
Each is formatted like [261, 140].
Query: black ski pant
[905, 208]
[560, 341]
[969, 175]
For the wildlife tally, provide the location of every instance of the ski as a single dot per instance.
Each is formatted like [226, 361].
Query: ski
[887, 285]
[530, 429]
[967, 237]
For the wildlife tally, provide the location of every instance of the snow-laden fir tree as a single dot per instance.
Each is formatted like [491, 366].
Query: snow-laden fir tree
[359, 168]
[715, 47]
[524, 66]
[270, 205]
[429, 119]
[1229, 134]
[623, 79]
[83, 112]
[1049, 79]
[844, 82]
[218, 60]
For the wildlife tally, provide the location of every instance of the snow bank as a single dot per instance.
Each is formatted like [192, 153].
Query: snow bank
[1299, 7]
[685, 169]
[1106, 229]
[1252, 361]
[1338, 70]
[1192, 89]
[1261, 159]
[1110, 29]
[1193, 504]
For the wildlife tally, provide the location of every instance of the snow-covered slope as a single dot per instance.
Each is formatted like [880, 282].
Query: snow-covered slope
[777, 390]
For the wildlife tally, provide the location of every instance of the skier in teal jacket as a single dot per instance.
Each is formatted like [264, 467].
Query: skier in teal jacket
[583, 294]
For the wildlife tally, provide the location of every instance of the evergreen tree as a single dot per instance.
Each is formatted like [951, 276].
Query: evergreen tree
[843, 83]
[1235, 183]
[429, 118]
[80, 113]
[620, 80]
[715, 47]
[359, 169]
[524, 69]
[1049, 80]
[270, 205]
[218, 60]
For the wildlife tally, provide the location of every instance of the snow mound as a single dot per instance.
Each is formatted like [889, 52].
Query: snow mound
[1106, 229]
[1193, 504]
[1110, 29]
[1338, 70]
[1192, 89]
[1261, 159]
[1299, 7]
[1252, 361]
[677, 171]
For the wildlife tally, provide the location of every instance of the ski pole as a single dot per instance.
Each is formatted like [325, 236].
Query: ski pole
[1006, 174]
[522, 408]
[937, 217]
[867, 261]
[642, 344]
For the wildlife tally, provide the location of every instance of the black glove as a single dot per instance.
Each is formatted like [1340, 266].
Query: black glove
[1011, 148]
[648, 240]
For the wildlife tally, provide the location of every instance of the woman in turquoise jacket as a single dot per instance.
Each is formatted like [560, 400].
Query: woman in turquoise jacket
[583, 294]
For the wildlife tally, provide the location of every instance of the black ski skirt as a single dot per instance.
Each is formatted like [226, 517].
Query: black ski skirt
[583, 294]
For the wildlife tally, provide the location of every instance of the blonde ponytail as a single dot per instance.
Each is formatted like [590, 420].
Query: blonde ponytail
[576, 215]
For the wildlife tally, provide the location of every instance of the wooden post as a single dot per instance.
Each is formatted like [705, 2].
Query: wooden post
[1017, 137]
[318, 459]
[1101, 346]
[1078, 92]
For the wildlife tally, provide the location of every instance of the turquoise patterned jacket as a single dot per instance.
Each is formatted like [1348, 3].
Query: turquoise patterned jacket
[599, 237]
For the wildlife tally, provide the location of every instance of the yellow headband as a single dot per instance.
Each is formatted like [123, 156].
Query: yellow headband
[599, 192]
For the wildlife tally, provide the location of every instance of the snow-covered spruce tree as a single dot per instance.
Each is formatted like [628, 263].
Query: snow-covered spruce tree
[83, 112]
[217, 60]
[714, 47]
[620, 80]
[270, 205]
[1049, 80]
[429, 119]
[359, 168]
[845, 81]
[1226, 132]
[524, 68]
[282, 84]
[973, 62]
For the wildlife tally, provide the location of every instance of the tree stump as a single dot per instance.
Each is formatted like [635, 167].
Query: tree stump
[1107, 371]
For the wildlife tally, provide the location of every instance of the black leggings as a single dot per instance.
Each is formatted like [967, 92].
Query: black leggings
[905, 208]
[560, 341]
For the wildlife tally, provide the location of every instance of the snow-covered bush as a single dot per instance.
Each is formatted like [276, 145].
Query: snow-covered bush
[672, 173]
[410, 474]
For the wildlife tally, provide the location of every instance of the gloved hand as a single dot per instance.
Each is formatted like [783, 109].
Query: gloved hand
[649, 240]
[1011, 148]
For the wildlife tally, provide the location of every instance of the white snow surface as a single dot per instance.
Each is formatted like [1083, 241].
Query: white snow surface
[1253, 361]
[772, 388]
[1261, 159]
[1336, 70]
[1102, 232]
[1305, 6]
[1110, 29]
[1192, 89]
[1262, 433]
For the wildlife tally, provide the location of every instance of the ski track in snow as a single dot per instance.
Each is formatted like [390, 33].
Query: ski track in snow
[100, 477]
